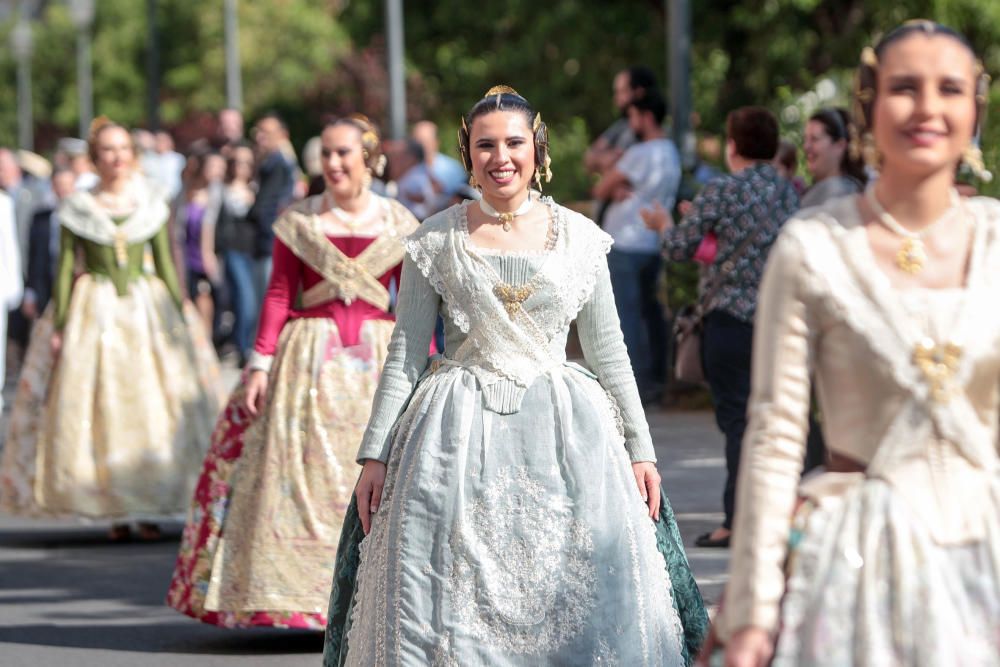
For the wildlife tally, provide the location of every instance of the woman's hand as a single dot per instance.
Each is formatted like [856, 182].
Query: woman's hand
[648, 480]
[55, 342]
[369, 491]
[213, 270]
[657, 218]
[749, 647]
[256, 391]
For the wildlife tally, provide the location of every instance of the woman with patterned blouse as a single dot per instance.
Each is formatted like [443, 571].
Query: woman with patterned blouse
[753, 201]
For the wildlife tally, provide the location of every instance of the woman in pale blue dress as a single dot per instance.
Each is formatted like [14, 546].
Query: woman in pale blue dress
[509, 502]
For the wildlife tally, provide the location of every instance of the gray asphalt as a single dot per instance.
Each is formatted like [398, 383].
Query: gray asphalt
[69, 598]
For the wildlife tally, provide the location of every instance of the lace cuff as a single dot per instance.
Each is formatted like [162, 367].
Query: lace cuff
[260, 362]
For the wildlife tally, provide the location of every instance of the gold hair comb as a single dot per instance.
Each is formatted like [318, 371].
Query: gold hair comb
[501, 90]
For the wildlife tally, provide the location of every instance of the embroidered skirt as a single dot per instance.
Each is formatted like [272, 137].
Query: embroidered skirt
[262, 532]
[515, 539]
[118, 425]
[869, 586]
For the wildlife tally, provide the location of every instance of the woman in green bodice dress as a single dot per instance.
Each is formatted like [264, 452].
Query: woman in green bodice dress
[116, 401]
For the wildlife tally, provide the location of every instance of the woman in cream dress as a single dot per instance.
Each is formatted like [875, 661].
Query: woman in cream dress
[889, 298]
[116, 400]
[511, 501]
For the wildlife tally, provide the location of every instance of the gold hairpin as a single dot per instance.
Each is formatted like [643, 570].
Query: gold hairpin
[868, 57]
[501, 90]
[538, 122]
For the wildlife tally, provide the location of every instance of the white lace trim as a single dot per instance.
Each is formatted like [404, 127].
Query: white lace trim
[569, 275]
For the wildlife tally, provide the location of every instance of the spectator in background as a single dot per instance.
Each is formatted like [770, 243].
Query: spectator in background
[228, 130]
[168, 165]
[607, 149]
[11, 283]
[194, 217]
[23, 197]
[834, 172]
[786, 162]
[312, 162]
[275, 186]
[748, 206]
[43, 247]
[446, 172]
[236, 242]
[648, 173]
[415, 187]
[73, 154]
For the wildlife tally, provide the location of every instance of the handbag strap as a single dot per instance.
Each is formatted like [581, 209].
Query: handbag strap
[741, 249]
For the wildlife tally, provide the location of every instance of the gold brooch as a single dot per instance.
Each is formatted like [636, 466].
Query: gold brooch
[513, 297]
[938, 363]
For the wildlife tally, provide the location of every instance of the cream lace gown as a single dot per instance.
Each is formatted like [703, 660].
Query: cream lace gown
[511, 530]
[899, 565]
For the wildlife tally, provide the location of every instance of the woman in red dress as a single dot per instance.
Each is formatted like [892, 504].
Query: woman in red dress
[262, 534]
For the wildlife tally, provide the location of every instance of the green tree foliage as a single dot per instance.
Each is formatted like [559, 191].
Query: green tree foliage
[309, 58]
[287, 47]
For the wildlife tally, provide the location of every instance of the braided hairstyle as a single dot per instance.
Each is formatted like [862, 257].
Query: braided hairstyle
[371, 143]
[866, 84]
[505, 98]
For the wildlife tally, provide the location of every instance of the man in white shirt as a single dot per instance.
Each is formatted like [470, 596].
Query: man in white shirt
[11, 282]
[648, 173]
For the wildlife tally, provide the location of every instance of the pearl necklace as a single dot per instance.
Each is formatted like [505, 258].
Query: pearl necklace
[912, 255]
[506, 218]
[352, 222]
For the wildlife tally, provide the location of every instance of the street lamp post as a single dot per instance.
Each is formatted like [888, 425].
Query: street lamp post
[82, 13]
[152, 67]
[234, 78]
[397, 81]
[679, 57]
[21, 45]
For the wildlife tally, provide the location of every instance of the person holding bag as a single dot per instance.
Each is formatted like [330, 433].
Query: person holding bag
[744, 211]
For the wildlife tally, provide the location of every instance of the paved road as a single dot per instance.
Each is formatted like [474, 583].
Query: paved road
[68, 598]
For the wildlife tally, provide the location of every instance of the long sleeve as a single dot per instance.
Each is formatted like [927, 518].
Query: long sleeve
[416, 314]
[681, 242]
[162, 258]
[286, 274]
[62, 289]
[774, 443]
[604, 349]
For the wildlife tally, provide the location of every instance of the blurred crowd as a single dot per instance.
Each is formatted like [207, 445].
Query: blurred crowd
[227, 189]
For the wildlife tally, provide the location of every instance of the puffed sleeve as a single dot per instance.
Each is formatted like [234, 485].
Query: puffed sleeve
[604, 350]
[416, 314]
[774, 443]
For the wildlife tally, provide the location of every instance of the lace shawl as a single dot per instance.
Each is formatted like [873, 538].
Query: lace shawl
[81, 214]
[507, 354]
